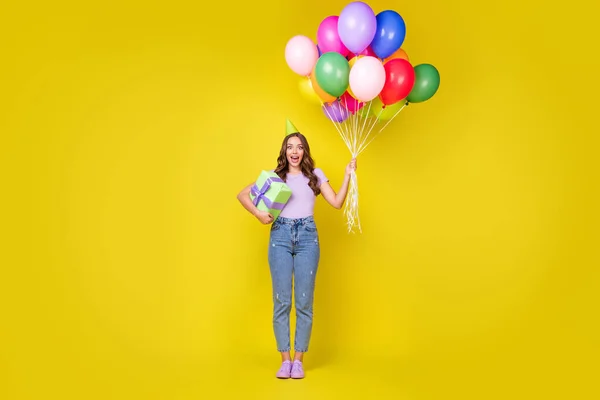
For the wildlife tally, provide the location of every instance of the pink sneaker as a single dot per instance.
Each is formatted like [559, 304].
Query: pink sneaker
[285, 370]
[297, 371]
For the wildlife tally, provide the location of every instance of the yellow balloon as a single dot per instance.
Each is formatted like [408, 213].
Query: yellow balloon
[307, 91]
[351, 63]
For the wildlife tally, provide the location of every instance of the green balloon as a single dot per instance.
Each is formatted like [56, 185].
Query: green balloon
[366, 111]
[427, 82]
[332, 72]
[386, 113]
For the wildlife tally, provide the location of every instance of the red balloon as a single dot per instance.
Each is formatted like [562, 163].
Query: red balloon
[399, 81]
[350, 103]
[366, 52]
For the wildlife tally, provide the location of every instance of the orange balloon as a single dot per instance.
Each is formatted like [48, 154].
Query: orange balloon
[326, 97]
[398, 54]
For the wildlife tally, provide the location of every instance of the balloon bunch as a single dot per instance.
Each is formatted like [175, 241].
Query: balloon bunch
[361, 76]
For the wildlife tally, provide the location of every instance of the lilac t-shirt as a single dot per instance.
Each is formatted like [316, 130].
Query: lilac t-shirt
[302, 202]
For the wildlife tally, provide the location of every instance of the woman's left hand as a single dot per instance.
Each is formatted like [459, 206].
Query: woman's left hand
[351, 166]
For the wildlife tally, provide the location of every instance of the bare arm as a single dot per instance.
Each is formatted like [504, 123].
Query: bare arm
[244, 198]
[337, 199]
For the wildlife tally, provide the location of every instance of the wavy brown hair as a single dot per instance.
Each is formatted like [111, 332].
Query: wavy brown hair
[307, 165]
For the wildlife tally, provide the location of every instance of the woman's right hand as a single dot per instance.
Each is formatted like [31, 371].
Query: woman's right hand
[244, 198]
[351, 167]
[264, 217]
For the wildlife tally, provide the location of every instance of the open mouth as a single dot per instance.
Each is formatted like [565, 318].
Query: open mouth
[294, 159]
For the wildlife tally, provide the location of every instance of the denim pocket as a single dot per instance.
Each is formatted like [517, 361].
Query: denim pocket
[310, 227]
[275, 226]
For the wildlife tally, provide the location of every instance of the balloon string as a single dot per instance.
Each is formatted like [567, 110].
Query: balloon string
[349, 123]
[337, 125]
[362, 131]
[351, 205]
[366, 117]
[346, 125]
[344, 132]
[363, 145]
[357, 138]
[356, 127]
[351, 130]
[352, 122]
[377, 134]
[351, 126]
[334, 124]
[394, 116]
[357, 135]
[354, 130]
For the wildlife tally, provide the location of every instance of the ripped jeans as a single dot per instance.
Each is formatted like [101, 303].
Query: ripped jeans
[293, 253]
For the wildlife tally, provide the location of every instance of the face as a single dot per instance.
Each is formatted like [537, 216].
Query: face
[295, 151]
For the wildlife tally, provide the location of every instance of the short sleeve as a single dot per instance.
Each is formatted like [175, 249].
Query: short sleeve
[321, 176]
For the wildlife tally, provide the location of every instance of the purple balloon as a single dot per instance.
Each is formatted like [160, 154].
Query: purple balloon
[335, 112]
[357, 26]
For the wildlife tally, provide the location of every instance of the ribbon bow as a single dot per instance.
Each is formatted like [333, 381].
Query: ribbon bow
[259, 194]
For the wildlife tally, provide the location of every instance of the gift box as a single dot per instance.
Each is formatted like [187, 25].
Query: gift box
[270, 193]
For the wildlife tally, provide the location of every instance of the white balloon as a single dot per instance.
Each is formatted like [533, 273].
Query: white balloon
[367, 78]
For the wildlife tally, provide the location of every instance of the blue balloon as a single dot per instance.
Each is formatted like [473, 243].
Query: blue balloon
[391, 31]
[319, 50]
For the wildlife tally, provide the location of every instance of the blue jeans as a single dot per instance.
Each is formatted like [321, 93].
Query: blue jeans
[293, 253]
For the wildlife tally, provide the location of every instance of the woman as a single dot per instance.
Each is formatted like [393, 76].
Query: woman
[294, 245]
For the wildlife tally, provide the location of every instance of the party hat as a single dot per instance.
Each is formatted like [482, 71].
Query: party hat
[290, 128]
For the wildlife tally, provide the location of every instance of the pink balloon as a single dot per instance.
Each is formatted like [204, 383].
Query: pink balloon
[328, 38]
[301, 55]
[367, 78]
[350, 103]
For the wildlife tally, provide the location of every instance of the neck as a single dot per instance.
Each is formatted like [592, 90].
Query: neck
[294, 170]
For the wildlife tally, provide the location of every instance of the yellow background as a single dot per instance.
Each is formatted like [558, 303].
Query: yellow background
[130, 271]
